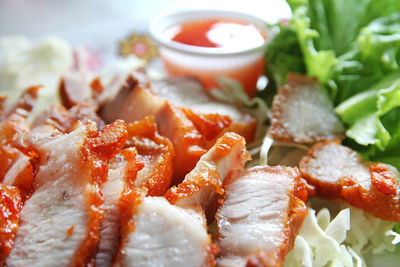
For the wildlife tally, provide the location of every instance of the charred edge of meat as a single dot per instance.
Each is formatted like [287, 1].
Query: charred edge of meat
[278, 128]
[160, 177]
[211, 126]
[320, 188]
[10, 207]
[128, 205]
[97, 149]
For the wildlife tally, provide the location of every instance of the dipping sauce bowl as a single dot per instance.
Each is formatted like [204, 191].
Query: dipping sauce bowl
[207, 44]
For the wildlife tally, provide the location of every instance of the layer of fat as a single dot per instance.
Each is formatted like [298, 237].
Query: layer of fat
[109, 232]
[253, 215]
[165, 235]
[189, 93]
[54, 220]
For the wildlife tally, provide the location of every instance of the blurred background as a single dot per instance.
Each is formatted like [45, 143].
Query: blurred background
[102, 23]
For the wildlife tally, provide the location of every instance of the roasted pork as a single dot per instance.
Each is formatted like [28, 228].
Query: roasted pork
[121, 174]
[302, 113]
[60, 222]
[165, 235]
[10, 207]
[337, 171]
[156, 152]
[16, 164]
[202, 185]
[260, 216]
[192, 133]
[189, 93]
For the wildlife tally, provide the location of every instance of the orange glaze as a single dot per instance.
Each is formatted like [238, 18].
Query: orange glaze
[225, 143]
[157, 149]
[383, 179]
[193, 184]
[210, 126]
[87, 250]
[187, 141]
[10, 206]
[96, 150]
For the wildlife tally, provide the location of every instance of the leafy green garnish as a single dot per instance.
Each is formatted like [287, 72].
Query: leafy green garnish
[353, 48]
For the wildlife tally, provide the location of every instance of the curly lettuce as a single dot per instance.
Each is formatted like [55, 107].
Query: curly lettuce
[341, 241]
[353, 48]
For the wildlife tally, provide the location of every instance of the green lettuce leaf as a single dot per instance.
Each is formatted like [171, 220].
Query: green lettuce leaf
[284, 55]
[373, 120]
[353, 48]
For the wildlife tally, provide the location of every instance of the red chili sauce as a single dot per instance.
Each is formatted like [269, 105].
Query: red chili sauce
[221, 33]
[230, 35]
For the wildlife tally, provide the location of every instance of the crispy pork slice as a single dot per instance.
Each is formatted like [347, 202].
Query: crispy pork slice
[202, 185]
[25, 104]
[56, 116]
[65, 120]
[132, 103]
[16, 165]
[165, 235]
[74, 89]
[84, 113]
[337, 171]
[189, 93]
[192, 133]
[122, 173]
[260, 216]
[60, 222]
[157, 154]
[119, 86]
[10, 207]
[187, 141]
[21, 174]
[302, 113]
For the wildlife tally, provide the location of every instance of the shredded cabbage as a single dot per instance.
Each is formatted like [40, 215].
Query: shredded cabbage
[343, 241]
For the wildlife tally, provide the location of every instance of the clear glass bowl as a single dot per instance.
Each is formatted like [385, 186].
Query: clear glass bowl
[245, 65]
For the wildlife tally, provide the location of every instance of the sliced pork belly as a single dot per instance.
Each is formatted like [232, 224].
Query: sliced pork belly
[130, 103]
[10, 207]
[171, 121]
[337, 171]
[187, 141]
[119, 86]
[192, 133]
[122, 173]
[157, 154]
[260, 216]
[65, 120]
[75, 89]
[16, 165]
[204, 182]
[165, 235]
[302, 113]
[56, 116]
[189, 93]
[25, 103]
[60, 222]
[21, 174]
[84, 113]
